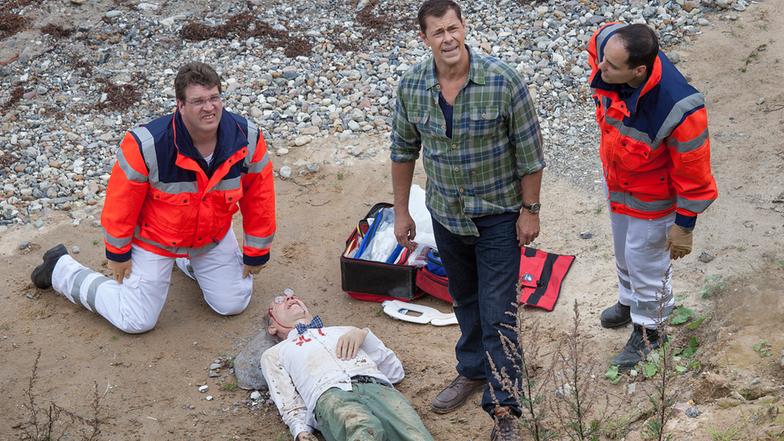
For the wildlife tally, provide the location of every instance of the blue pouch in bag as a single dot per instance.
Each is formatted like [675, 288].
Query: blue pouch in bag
[434, 264]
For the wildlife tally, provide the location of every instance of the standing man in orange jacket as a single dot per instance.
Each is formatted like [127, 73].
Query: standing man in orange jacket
[174, 188]
[655, 155]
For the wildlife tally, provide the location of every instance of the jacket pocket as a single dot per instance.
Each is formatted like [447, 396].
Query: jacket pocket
[170, 211]
[483, 121]
[633, 155]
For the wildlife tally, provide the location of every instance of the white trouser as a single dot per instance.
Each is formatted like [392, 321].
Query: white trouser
[643, 264]
[134, 305]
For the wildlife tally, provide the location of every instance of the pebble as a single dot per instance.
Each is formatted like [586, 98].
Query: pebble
[215, 365]
[208, 398]
[203, 388]
[586, 235]
[706, 257]
[296, 100]
[75, 249]
[255, 395]
[693, 412]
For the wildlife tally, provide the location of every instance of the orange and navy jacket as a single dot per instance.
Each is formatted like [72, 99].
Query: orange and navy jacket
[655, 148]
[163, 197]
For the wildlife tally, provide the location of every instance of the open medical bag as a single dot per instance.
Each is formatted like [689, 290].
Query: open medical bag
[375, 281]
[541, 273]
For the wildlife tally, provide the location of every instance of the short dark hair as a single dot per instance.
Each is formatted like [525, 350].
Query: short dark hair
[195, 72]
[641, 43]
[436, 8]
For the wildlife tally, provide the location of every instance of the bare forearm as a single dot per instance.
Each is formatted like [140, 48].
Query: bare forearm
[531, 185]
[402, 176]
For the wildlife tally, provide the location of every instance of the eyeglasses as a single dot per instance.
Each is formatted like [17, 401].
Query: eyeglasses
[278, 300]
[201, 102]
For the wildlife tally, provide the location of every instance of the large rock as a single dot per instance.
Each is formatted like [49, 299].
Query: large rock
[247, 366]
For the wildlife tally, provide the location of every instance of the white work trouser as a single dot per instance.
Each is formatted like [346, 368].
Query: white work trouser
[134, 305]
[643, 264]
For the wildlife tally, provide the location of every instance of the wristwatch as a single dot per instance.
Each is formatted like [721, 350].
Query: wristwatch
[532, 208]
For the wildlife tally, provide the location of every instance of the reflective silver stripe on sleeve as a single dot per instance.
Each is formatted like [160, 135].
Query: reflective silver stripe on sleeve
[676, 114]
[175, 187]
[603, 35]
[637, 204]
[76, 288]
[258, 242]
[694, 205]
[93, 289]
[228, 184]
[148, 151]
[687, 146]
[253, 139]
[257, 167]
[129, 171]
[117, 242]
[631, 132]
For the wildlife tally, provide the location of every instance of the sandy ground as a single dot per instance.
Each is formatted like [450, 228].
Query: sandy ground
[148, 382]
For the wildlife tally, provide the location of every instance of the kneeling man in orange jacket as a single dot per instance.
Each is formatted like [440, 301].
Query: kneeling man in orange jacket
[174, 188]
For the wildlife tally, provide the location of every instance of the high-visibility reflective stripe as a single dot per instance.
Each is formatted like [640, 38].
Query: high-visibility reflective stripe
[117, 242]
[631, 132]
[694, 205]
[687, 146]
[129, 171]
[253, 139]
[76, 288]
[602, 37]
[151, 159]
[257, 167]
[148, 151]
[622, 271]
[637, 204]
[654, 309]
[191, 251]
[625, 283]
[676, 114]
[93, 289]
[176, 187]
[228, 184]
[258, 242]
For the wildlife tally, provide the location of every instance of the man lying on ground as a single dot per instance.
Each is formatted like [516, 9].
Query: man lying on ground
[336, 379]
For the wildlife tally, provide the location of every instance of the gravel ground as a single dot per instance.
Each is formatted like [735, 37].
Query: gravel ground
[83, 72]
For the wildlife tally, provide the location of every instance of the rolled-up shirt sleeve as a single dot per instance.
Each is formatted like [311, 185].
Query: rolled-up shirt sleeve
[406, 139]
[524, 131]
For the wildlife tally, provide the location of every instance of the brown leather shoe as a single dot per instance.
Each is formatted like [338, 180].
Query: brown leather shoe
[454, 395]
[507, 426]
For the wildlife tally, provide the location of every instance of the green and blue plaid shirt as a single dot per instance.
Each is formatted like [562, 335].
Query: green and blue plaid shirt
[495, 141]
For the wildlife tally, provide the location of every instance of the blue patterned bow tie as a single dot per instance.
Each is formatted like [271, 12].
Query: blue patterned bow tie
[314, 324]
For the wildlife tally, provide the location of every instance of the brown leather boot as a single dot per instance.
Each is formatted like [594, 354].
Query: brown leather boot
[454, 395]
[507, 426]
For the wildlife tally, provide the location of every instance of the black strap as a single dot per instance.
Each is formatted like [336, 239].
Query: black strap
[529, 252]
[544, 279]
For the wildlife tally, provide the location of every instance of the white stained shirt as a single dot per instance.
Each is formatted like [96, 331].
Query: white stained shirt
[302, 367]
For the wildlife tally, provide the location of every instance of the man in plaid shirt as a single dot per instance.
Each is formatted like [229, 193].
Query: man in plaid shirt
[476, 125]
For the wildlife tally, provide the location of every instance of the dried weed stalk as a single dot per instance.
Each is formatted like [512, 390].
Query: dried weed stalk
[661, 396]
[524, 383]
[580, 409]
[54, 422]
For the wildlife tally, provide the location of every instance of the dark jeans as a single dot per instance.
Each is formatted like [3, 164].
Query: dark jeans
[483, 273]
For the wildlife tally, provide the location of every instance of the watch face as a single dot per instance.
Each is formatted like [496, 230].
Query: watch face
[534, 208]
